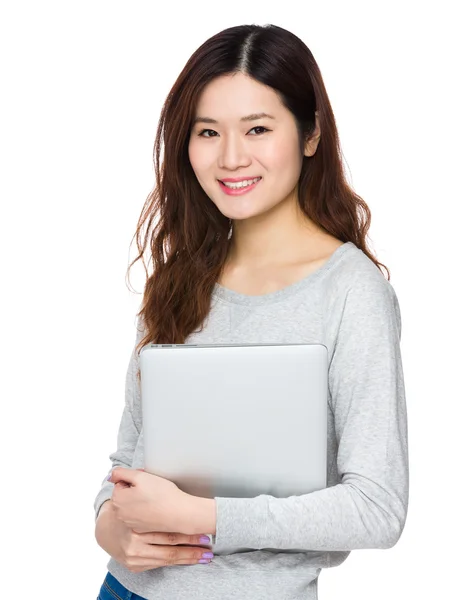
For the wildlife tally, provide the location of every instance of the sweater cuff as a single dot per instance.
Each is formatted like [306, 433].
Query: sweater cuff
[105, 494]
[242, 522]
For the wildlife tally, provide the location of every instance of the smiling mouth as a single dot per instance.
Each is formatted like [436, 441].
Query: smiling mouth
[253, 180]
[240, 190]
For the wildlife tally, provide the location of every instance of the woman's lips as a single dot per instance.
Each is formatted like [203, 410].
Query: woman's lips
[238, 191]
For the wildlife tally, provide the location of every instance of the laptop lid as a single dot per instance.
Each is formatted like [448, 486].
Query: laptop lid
[236, 420]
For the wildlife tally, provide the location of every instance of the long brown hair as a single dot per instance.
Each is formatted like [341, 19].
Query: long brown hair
[189, 236]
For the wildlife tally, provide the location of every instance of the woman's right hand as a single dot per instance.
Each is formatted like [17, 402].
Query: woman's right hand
[144, 551]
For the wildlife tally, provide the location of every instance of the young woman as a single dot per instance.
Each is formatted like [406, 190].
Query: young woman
[259, 238]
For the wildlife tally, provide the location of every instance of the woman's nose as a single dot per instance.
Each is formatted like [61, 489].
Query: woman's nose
[233, 154]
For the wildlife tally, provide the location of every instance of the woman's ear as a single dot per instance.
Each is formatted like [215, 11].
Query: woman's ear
[311, 144]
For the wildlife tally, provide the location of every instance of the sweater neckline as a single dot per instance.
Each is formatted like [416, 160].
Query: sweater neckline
[234, 297]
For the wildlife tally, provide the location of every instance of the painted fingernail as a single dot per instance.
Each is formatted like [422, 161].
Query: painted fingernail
[204, 561]
[207, 555]
[204, 539]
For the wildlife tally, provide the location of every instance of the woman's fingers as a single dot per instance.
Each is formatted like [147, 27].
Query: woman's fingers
[151, 556]
[154, 550]
[171, 554]
[172, 539]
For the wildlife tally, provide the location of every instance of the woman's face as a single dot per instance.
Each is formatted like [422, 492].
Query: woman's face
[231, 148]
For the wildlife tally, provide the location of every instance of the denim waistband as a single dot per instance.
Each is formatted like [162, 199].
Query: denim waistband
[117, 590]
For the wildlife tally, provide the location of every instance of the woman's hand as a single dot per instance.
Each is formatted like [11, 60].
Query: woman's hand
[146, 502]
[139, 552]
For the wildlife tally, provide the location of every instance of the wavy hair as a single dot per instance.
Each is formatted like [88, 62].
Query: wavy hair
[187, 234]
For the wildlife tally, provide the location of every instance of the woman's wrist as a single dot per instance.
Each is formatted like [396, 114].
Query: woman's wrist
[198, 515]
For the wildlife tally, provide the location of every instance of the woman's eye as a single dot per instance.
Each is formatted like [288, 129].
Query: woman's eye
[201, 134]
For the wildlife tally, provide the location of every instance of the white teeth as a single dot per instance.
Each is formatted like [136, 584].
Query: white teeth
[241, 184]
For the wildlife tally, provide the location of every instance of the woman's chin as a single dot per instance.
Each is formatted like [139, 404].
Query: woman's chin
[236, 211]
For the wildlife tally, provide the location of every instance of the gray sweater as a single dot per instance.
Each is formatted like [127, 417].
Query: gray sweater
[350, 307]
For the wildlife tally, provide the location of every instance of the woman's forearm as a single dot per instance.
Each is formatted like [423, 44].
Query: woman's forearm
[105, 506]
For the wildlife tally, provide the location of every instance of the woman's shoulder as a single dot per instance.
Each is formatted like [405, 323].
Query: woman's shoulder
[355, 270]
[356, 285]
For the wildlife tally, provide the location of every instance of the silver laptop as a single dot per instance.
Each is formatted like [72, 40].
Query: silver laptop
[236, 420]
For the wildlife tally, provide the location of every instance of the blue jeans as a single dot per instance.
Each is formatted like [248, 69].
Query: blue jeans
[113, 590]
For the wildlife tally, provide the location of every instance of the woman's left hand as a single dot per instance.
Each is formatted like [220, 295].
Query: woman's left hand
[146, 502]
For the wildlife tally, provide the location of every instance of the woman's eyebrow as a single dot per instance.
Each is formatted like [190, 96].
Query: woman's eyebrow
[252, 117]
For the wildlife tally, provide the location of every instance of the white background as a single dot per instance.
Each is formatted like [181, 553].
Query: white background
[82, 88]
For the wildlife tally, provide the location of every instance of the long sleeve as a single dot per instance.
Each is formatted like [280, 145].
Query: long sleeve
[368, 508]
[129, 427]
